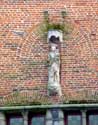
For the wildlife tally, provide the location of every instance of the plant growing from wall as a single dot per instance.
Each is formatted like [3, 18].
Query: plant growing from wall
[63, 26]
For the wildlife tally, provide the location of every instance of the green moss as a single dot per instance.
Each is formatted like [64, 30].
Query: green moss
[65, 27]
[80, 101]
[55, 27]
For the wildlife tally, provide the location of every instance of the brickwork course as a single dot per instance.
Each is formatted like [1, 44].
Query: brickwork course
[24, 51]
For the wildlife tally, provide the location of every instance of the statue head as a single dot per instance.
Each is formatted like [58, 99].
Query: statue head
[53, 47]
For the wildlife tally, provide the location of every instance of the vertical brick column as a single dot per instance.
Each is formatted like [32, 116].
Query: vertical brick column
[83, 117]
[2, 119]
[25, 117]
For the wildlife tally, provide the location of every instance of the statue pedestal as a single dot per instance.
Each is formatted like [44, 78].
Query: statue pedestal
[54, 89]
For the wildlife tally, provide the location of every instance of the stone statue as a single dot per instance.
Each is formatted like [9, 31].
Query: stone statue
[54, 67]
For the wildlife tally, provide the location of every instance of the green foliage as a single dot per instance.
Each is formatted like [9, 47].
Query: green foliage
[66, 28]
[54, 27]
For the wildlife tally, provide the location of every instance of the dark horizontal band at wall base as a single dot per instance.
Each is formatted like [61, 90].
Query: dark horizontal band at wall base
[63, 106]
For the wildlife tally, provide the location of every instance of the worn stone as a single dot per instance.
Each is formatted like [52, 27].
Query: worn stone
[54, 65]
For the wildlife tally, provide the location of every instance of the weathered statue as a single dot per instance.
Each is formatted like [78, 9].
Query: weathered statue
[54, 67]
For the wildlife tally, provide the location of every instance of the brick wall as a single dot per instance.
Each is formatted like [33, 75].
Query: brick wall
[24, 51]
